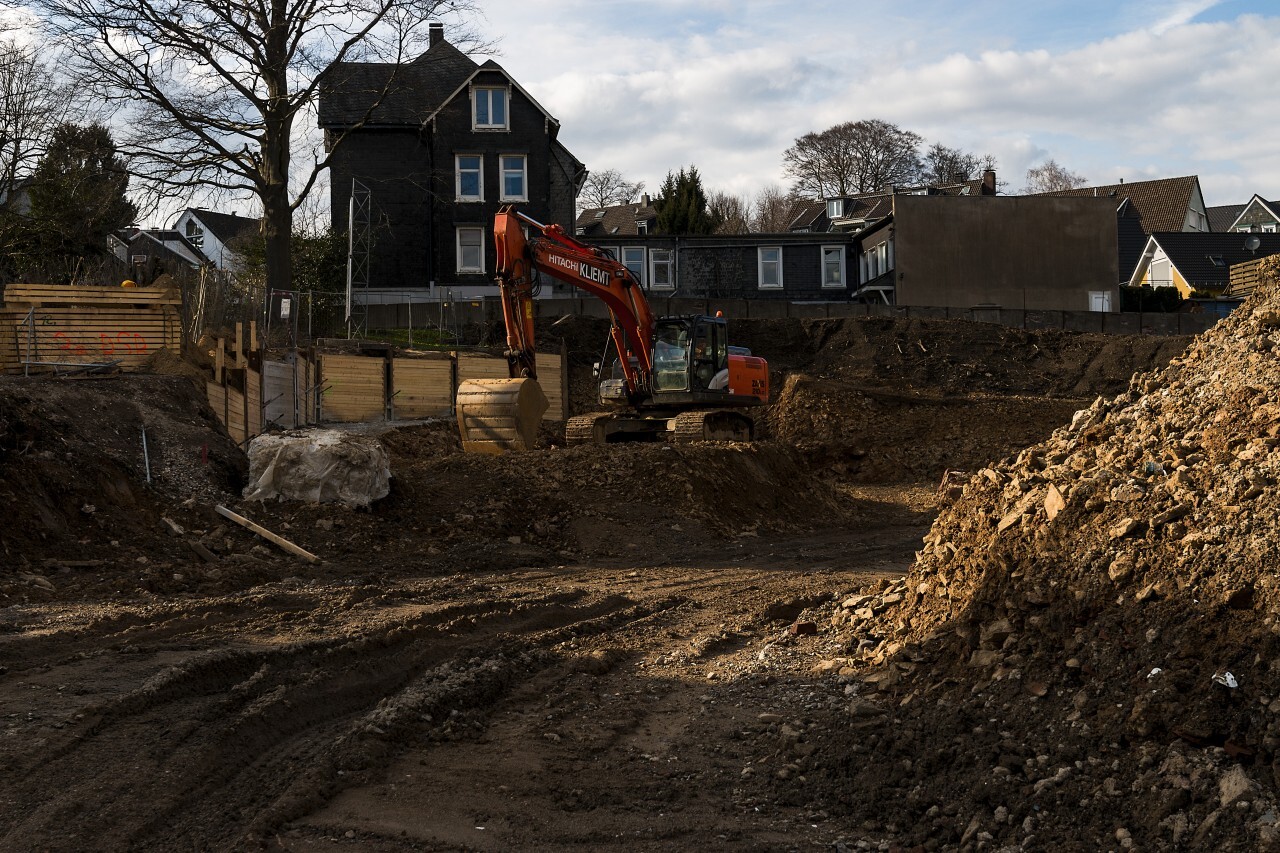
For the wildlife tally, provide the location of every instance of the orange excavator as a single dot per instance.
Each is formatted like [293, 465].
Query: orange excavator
[674, 377]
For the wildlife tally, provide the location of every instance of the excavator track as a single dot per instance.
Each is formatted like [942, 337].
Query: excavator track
[715, 425]
[586, 429]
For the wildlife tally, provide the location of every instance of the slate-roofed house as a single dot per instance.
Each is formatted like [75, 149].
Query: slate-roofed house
[1198, 262]
[216, 235]
[1145, 207]
[1222, 217]
[148, 253]
[1257, 215]
[440, 143]
[623, 220]
[862, 210]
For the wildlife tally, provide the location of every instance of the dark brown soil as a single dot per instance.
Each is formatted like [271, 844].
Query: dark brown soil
[640, 647]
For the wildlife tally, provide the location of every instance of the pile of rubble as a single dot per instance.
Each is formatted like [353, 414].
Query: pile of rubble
[1088, 647]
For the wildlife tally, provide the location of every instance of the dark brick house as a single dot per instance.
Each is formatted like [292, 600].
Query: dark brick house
[440, 143]
[790, 267]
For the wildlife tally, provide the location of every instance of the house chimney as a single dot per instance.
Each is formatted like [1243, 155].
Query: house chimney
[435, 32]
[645, 201]
[989, 182]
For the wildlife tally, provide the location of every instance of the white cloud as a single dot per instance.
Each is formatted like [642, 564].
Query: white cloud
[728, 87]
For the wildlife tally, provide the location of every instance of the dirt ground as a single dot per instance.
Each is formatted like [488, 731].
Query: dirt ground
[640, 647]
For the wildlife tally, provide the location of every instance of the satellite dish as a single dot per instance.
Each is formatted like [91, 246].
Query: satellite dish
[1252, 242]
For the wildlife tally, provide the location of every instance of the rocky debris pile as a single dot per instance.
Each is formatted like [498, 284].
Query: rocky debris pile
[1088, 647]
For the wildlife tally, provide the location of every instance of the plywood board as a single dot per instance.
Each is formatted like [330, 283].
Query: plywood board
[551, 378]
[253, 401]
[92, 335]
[45, 294]
[353, 388]
[422, 388]
[307, 378]
[235, 415]
[277, 393]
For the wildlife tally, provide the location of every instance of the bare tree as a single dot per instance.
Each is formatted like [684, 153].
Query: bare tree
[942, 165]
[1050, 177]
[853, 157]
[212, 89]
[772, 211]
[606, 188]
[732, 213]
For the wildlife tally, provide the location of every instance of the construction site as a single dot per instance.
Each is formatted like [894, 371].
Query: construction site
[968, 587]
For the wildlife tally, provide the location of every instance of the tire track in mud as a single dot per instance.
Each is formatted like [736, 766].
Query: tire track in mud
[226, 745]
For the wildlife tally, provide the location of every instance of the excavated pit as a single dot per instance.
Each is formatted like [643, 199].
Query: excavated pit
[667, 646]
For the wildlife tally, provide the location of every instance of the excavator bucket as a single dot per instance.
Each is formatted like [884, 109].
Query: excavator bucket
[499, 415]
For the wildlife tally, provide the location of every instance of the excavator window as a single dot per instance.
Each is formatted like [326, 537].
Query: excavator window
[710, 355]
[671, 356]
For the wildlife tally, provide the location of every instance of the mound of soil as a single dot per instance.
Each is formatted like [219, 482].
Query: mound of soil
[555, 503]
[74, 473]
[1086, 651]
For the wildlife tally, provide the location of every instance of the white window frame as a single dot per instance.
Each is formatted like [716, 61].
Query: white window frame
[640, 275]
[457, 177]
[502, 177]
[486, 92]
[835, 208]
[662, 258]
[762, 263]
[458, 232]
[1268, 228]
[840, 252]
[1102, 296]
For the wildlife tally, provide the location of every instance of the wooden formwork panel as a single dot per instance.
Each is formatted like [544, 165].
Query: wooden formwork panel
[307, 390]
[253, 401]
[422, 387]
[229, 405]
[87, 335]
[9, 359]
[277, 393]
[235, 415]
[550, 377]
[353, 388]
[61, 294]
[553, 381]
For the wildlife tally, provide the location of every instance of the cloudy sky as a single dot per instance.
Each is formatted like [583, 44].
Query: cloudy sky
[1111, 89]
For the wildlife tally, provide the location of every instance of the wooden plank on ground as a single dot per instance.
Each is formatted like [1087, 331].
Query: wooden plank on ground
[353, 388]
[422, 387]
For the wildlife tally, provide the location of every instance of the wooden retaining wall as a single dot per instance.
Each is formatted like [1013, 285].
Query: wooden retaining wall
[48, 326]
[248, 392]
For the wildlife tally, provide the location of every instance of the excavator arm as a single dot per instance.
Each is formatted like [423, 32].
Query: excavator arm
[549, 250]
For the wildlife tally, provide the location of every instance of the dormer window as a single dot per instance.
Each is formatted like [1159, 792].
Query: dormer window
[195, 234]
[835, 208]
[642, 226]
[489, 108]
[1217, 260]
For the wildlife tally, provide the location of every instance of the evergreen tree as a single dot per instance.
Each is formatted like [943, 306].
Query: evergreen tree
[682, 205]
[77, 199]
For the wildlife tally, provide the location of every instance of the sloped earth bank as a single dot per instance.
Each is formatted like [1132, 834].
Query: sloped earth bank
[636, 647]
